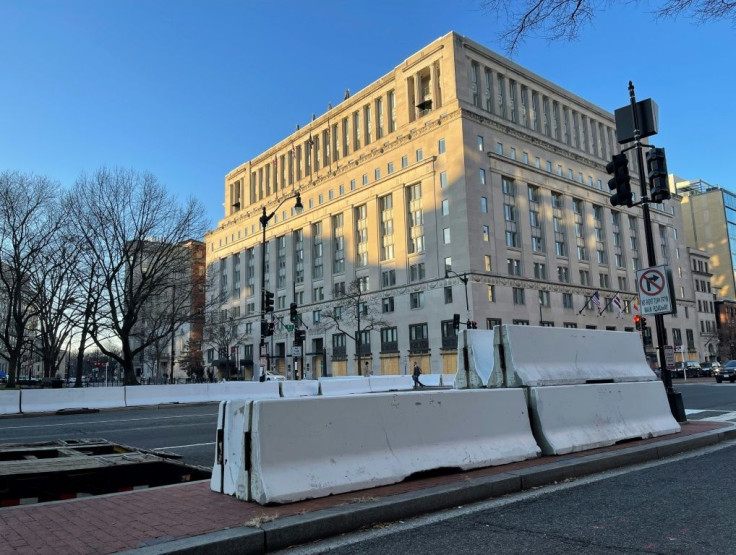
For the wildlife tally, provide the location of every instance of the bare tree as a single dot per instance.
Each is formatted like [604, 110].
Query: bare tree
[29, 220]
[563, 19]
[356, 314]
[135, 235]
[223, 332]
[58, 292]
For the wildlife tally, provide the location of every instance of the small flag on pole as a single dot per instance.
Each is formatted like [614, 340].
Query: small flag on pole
[636, 304]
[618, 303]
[596, 298]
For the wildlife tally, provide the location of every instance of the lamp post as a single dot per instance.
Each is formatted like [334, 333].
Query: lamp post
[464, 278]
[265, 218]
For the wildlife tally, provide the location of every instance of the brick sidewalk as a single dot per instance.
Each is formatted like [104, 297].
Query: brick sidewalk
[123, 521]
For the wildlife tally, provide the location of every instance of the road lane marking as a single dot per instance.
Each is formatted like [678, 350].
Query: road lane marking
[183, 446]
[86, 423]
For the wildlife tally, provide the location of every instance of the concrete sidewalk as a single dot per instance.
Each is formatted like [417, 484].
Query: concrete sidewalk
[189, 518]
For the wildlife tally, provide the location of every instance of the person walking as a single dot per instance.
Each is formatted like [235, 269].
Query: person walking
[415, 375]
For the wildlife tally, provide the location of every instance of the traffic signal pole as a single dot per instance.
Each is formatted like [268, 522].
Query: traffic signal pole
[674, 397]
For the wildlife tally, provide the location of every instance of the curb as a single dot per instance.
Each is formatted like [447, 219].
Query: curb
[299, 529]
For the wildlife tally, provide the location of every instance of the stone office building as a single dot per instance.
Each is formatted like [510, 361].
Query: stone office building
[457, 173]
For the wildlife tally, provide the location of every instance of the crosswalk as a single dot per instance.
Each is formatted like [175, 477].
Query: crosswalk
[711, 415]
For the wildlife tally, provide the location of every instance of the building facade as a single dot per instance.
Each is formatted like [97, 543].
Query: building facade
[171, 320]
[457, 175]
[709, 215]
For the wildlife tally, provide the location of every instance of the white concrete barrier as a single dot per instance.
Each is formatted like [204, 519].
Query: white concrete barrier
[344, 386]
[139, 395]
[342, 444]
[432, 380]
[299, 388]
[536, 356]
[574, 418]
[9, 402]
[448, 380]
[225, 391]
[50, 400]
[380, 384]
[230, 472]
[475, 358]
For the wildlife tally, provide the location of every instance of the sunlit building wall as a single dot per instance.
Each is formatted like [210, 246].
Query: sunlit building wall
[456, 163]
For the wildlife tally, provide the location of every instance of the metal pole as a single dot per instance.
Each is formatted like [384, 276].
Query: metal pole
[675, 399]
[261, 350]
[173, 325]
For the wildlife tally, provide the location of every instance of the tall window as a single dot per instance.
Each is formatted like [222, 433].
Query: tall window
[298, 238]
[391, 111]
[361, 235]
[415, 218]
[338, 241]
[281, 261]
[379, 116]
[386, 206]
[317, 260]
[474, 83]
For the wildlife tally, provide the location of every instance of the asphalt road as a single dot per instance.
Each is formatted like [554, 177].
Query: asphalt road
[682, 505]
[188, 430]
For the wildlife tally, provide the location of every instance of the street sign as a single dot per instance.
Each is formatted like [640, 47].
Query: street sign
[289, 327]
[654, 290]
[296, 351]
[669, 357]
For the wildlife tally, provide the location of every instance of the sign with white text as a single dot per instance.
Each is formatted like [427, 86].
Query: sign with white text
[654, 290]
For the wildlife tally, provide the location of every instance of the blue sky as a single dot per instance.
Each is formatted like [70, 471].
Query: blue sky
[190, 89]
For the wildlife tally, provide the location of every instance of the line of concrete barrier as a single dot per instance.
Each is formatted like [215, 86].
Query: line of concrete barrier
[349, 443]
[447, 380]
[300, 388]
[572, 418]
[475, 358]
[431, 380]
[49, 400]
[329, 387]
[231, 469]
[538, 356]
[586, 388]
[9, 402]
[381, 384]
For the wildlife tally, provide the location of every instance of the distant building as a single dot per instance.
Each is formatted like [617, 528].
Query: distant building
[457, 164]
[709, 214]
[180, 299]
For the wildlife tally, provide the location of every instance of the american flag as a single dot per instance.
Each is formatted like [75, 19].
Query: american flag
[596, 298]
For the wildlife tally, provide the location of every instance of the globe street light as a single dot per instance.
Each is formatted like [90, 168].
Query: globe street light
[265, 218]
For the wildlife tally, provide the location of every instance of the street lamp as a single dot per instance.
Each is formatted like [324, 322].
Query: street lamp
[265, 218]
[464, 278]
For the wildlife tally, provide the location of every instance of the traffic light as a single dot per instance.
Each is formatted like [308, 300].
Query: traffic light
[637, 322]
[456, 321]
[621, 181]
[293, 314]
[659, 189]
[265, 329]
[271, 328]
[643, 322]
[268, 301]
[299, 336]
